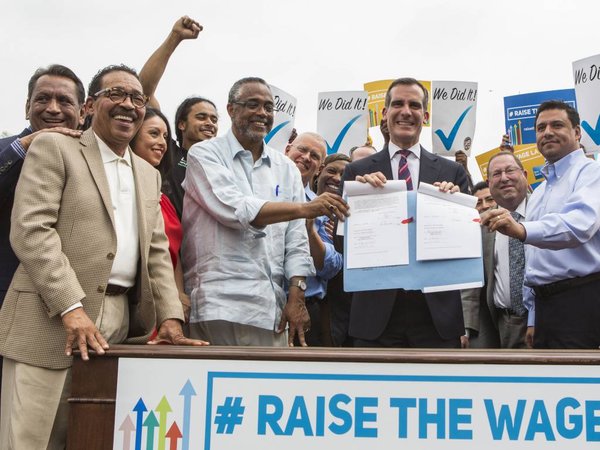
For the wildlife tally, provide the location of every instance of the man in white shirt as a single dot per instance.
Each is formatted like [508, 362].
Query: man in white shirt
[396, 317]
[503, 317]
[244, 237]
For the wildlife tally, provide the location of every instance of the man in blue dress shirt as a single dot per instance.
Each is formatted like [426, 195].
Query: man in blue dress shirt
[562, 276]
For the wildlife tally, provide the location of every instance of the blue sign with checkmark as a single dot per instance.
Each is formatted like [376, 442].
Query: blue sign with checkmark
[520, 111]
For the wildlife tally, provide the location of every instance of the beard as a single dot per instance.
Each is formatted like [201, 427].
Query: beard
[245, 130]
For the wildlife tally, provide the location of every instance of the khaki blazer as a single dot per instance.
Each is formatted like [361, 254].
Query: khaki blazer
[63, 234]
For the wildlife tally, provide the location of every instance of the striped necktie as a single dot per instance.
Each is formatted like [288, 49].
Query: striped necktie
[403, 172]
[516, 255]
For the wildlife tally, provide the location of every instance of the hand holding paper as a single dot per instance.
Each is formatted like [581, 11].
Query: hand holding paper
[376, 179]
[446, 186]
[500, 219]
[327, 204]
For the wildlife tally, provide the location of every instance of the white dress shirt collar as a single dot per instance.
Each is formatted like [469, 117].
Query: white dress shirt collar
[235, 148]
[522, 208]
[108, 155]
[415, 149]
[413, 160]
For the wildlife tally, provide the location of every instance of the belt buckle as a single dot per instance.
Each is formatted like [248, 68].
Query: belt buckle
[114, 290]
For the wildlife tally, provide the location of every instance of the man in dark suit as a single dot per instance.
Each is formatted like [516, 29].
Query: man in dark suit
[55, 99]
[501, 316]
[395, 317]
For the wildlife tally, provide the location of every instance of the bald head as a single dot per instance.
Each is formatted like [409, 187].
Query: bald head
[308, 152]
[357, 153]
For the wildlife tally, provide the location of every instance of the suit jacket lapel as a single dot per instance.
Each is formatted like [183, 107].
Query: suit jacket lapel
[429, 169]
[140, 203]
[91, 153]
[26, 132]
[382, 163]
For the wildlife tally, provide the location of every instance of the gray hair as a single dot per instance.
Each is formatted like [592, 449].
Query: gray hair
[234, 92]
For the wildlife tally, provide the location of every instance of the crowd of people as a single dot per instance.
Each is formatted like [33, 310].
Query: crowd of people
[115, 231]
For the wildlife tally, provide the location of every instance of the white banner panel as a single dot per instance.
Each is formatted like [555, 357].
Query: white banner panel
[342, 120]
[222, 405]
[283, 122]
[586, 73]
[454, 108]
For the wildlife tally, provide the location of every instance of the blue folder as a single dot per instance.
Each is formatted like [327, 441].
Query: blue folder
[417, 275]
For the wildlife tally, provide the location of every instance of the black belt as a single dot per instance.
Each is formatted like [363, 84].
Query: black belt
[113, 289]
[507, 311]
[557, 287]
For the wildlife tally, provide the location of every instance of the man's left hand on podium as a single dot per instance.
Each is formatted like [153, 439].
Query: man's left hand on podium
[170, 332]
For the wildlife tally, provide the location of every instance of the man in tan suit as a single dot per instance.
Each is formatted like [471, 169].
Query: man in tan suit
[95, 266]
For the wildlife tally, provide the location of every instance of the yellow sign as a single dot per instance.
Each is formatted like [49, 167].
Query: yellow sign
[376, 91]
[528, 154]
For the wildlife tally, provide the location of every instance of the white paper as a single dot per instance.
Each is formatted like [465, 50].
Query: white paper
[358, 188]
[452, 287]
[377, 234]
[446, 229]
[470, 201]
[342, 225]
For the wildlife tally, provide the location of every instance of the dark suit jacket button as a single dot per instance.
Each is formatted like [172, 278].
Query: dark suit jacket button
[101, 288]
[110, 256]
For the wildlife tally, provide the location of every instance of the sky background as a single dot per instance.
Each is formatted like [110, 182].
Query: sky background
[306, 47]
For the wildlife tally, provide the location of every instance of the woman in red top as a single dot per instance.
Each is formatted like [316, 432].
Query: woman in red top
[151, 143]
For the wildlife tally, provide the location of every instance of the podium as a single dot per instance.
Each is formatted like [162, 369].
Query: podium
[93, 398]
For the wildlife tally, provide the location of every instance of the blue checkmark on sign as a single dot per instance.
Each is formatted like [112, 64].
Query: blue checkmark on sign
[331, 149]
[448, 141]
[594, 133]
[274, 131]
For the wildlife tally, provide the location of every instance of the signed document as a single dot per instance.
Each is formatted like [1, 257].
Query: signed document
[447, 225]
[377, 233]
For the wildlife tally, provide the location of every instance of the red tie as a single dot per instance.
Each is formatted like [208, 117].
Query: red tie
[403, 172]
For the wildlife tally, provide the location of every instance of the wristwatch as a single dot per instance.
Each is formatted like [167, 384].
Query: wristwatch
[300, 284]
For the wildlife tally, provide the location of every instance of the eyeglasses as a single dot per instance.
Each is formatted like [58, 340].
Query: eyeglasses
[118, 95]
[510, 171]
[253, 105]
[314, 155]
